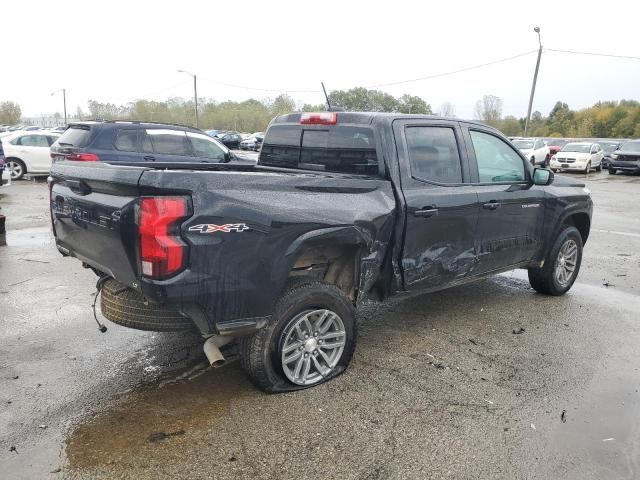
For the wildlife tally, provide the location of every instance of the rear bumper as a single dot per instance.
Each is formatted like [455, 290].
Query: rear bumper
[130, 308]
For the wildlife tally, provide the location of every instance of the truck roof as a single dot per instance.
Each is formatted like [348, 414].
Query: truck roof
[370, 117]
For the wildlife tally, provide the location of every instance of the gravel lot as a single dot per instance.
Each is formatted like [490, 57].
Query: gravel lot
[440, 386]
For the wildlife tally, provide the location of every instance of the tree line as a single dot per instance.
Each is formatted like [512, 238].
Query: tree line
[610, 119]
[614, 119]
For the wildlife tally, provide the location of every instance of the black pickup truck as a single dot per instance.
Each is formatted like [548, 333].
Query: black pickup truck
[340, 207]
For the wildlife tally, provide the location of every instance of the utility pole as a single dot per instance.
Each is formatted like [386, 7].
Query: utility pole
[533, 86]
[64, 102]
[195, 92]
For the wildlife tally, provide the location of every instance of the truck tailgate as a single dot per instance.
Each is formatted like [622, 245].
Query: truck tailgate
[93, 215]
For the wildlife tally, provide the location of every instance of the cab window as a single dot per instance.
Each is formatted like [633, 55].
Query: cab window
[433, 154]
[497, 161]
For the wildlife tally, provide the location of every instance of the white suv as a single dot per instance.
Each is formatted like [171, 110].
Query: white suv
[535, 149]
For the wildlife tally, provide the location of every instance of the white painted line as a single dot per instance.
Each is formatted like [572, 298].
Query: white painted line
[626, 234]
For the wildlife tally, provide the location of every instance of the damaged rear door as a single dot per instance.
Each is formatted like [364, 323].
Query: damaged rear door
[441, 211]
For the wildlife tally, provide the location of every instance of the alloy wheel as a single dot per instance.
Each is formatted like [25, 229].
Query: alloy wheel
[566, 262]
[312, 345]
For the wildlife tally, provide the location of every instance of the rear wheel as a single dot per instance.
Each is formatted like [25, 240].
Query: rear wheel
[16, 167]
[310, 339]
[561, 265]
[547, 161]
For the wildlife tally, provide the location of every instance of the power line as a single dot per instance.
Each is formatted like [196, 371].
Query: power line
[628, 57]
[453, 72]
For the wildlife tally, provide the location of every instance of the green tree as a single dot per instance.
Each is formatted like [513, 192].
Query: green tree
[283, 104]
[510, 126]
[413, 104]
[307, 107]
[10, 113]
[360, 99]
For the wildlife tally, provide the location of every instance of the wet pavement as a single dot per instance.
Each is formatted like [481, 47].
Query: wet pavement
[440, 386]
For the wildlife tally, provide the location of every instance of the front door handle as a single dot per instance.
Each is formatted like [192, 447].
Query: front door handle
[492, 205]
[426, 212]
[150, 158]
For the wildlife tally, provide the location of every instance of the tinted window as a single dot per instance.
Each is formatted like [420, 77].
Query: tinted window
[335, 149]
[433, 154]
[167, 142]
[497, 161]
[33, 141]
[51, 140]
[76, 136]
[127, 141]
[206, 147]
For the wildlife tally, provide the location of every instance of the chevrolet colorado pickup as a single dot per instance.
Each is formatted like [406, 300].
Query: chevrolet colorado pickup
[340, 207]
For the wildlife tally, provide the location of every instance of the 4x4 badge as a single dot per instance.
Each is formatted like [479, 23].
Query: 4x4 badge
[211, 228]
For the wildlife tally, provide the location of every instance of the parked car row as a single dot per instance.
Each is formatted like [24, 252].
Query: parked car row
[581, 155]
[236, 140]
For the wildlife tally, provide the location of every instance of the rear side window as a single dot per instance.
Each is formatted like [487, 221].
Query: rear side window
[433, 154]
[33, 141]
[343, 149]
[166, 142]
[127, 141]
[75, 136]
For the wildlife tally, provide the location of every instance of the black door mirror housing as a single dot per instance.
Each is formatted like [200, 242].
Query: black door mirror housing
[542, 176]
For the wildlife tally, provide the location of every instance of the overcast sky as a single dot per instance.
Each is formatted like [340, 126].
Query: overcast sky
[119, 51]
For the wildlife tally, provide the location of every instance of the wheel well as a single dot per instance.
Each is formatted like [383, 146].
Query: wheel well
[334, 264]
[8, 159]
[581, 222]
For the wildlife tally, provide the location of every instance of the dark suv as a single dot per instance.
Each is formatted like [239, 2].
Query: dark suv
[132, 142]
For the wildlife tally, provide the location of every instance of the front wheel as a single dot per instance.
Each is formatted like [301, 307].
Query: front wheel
[612, 171]
[587, 168]
[310, 339]
[561, 265]
[599, 168]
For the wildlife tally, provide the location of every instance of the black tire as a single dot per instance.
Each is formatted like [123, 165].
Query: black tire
[261, 351]
[599, 168]
[612, 171]
[547, 160]
[19, 164]
[587, 167]
[544, 280]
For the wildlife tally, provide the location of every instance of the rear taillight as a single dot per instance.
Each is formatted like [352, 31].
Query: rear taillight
[82, 157]
[162, 251]
[324, 118]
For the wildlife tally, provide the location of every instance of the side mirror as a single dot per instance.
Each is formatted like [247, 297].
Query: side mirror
[542, 176]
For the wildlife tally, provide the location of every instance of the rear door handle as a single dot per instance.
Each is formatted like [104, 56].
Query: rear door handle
[426, 212]
[492, 205]
[150, 158]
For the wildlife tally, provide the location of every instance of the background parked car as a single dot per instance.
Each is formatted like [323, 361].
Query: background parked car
[580, 156]
[137, 142]
[607, 150]
[555, 145]
[533, 149]
[231, 140]
[28, 152]
[626, 159]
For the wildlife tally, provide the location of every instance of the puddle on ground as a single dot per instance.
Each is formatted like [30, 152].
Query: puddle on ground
[155, 417]
[29, 236]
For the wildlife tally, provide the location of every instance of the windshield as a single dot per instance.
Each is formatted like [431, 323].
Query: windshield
[609, 147]
[557, 143]
[577, 147]
[523, 144]
[631, 147]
